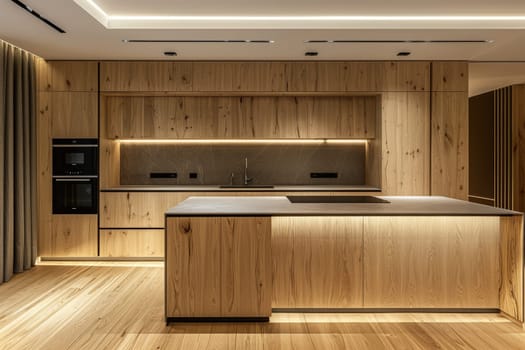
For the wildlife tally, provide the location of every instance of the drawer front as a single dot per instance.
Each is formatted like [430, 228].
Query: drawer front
[136, 209]
[132, 243]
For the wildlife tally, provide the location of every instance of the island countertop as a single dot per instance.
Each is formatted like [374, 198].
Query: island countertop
[281, 206]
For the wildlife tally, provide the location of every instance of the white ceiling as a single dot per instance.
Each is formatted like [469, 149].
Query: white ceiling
[88, 38]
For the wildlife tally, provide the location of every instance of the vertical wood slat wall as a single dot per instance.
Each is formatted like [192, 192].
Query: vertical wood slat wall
[503, 148]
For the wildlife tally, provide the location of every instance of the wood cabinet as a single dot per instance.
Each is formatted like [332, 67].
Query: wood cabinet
[512, 278]
[68, 108]
[143, 243]
[73, 114]
[146, 76]
[449, 135]
[60, 76]
[450, 76]
[317, 262]
[256, 77]
[240, 117]
[218, 267]
[70, 236]
[136, 209]
[431, 262]
[405, 141]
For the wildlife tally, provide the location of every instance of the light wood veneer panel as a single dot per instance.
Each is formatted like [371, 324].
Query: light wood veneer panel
[68, 76]
[449, 135]
[146, 76]
[218, 266]
[317, 262]
[246, 273]
[132, 243]
[405, 143]
[193, 267]
[240, 117]
[450, 76]
[73, 114]
[136, 209]
[72, 236]
[431, 262]
[44, 174]
[511, 290]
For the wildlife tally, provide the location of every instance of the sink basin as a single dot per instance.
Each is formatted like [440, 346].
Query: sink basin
[335, 199]
[246, 186]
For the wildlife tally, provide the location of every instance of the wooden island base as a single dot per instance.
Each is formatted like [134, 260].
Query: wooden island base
[243, 266]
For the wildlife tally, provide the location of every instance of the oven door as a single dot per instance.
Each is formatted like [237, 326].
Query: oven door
[75, 195]
[77, 160]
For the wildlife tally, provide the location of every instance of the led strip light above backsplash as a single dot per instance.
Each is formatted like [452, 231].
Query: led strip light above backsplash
[243, 141]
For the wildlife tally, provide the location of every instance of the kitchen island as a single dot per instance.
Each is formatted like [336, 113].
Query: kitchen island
[242, 257]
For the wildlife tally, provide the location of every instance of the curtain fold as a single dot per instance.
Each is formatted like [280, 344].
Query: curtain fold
[17, 161]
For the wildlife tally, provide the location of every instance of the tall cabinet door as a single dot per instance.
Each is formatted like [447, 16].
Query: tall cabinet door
[193, 267]
[245, 267]
[218, 267]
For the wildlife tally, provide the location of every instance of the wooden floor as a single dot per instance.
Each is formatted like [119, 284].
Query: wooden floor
[120, 306]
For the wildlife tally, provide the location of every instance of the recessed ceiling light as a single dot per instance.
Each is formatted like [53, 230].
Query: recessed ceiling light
[311, 53]
[403, 53]
[170, 53]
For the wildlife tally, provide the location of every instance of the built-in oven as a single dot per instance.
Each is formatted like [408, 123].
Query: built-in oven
[75, 176]
[75, 157]
[75, 195]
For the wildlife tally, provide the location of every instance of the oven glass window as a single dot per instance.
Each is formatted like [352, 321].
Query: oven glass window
[75, 196]
[75, 158]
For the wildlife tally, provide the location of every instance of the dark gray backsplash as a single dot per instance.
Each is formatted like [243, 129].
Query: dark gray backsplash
[274, 164]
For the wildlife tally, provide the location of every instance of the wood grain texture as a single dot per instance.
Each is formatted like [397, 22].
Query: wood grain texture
[71, 236]
[44, 173]
[131, 243]
[109, 152]
[145, 76]
[518, 147]
[246, 273]
[68, 76]
[440, 262]
[511, 289]
[405, 139]
[193, 267]
[74, 114]
[450, 76]
[136, 209]
[265, 76]
[317, 262]
[449, 135]
[81, 307]
[240, 117]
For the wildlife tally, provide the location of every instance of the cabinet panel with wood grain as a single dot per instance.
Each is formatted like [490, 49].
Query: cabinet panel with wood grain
[132, 243]
[240, 117]
[70, 236]
[146, 76]
[61, 76]
[218, 267]
[317, 262]
[431, 262]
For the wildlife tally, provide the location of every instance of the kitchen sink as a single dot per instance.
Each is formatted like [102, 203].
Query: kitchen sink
[335, 199]
[246, 186]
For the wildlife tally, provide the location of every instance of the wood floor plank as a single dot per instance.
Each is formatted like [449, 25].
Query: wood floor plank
[121, 306]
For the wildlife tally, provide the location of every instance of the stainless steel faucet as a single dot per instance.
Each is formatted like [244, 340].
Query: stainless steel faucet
[247, 179]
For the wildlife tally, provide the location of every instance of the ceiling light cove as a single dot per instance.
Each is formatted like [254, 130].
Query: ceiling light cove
[115, 21]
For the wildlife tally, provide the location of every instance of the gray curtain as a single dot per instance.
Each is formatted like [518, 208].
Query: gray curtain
[17, 161]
